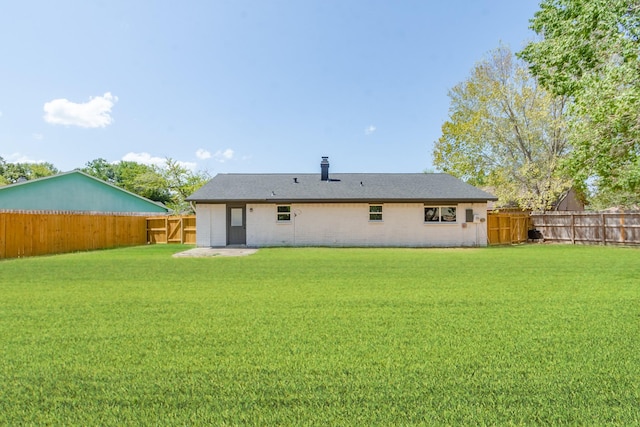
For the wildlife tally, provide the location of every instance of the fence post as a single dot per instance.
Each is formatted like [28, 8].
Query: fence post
[604, 229]
[573, 228]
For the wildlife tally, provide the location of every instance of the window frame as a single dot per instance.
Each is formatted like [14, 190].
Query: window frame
[440, 215]
[375, 215]
[283, 216]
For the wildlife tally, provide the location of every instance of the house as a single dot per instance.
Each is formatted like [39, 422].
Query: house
[344, 209]
[74, 191]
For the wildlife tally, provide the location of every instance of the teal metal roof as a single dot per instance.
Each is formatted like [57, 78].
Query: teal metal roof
[74, 191]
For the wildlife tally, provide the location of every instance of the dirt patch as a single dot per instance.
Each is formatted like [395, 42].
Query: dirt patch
[211, 252]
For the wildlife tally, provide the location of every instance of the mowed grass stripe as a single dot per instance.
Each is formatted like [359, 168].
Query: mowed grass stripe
[317, 336]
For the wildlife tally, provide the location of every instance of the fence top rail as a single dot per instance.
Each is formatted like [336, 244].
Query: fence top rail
[92, 213]
[585, 213]
[171, 217]
[510, 214]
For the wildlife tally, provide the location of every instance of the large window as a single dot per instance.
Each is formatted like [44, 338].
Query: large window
[442, 214]
[375, 212]
[284, 213]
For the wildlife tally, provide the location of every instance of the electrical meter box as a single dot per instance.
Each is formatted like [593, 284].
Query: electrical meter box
[469, 215]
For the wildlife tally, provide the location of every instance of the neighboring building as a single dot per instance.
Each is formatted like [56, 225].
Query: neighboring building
[74, 191]
[352, 209]
[569, 201]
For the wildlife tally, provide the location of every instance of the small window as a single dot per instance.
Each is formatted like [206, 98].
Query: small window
[375, 212]
[439, 214]
[284, 213]
[236, 217]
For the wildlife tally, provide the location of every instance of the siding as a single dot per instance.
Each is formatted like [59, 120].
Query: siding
[344, 224]
[74, 191]
[211, 225]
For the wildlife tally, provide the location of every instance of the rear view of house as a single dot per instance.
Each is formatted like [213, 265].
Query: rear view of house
[343, 209]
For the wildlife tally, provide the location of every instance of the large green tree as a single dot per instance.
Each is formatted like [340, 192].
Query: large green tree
[506, 132]
[589, 50]
[12, 172]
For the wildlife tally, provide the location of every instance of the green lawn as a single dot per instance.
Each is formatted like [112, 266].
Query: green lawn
[527, 335]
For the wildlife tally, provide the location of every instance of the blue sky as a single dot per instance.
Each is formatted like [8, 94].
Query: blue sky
[241, 86]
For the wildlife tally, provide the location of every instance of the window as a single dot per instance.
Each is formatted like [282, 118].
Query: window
[236, 217]
[284, 213]
[375, 212]
[439, 214]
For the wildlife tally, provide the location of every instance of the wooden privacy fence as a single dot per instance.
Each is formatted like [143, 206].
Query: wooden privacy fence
[506, 228]
[24, 234]
[172, 229]
[604, 228]
[32, 233]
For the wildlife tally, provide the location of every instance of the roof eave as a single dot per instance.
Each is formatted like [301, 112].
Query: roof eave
[346, 200]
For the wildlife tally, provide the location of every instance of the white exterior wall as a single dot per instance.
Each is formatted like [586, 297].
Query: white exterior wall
[211, 225]
[347, 224]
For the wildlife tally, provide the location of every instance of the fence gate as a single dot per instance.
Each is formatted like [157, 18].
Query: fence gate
[171, 229]
[506, 228]
[174, 230]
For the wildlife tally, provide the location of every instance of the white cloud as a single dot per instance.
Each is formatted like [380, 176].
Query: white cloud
[144, 158]
[188, 165]
[223, 156]
[371, 129]
[148, 159]
[19, 158]
[203, 154]
[93, 114]
[38, 136]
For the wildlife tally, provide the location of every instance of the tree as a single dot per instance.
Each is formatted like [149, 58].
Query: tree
[10, 173]
[3, 168]
[101, 169]
[589, 51]
[181, 183]
[506, 132]
[144, 180]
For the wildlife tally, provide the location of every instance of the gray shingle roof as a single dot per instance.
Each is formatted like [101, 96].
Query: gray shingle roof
[342, 187]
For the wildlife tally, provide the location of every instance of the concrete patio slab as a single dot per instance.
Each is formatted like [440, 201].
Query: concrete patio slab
[211, 252]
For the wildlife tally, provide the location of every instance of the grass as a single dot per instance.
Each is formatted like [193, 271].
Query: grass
[524, 335]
